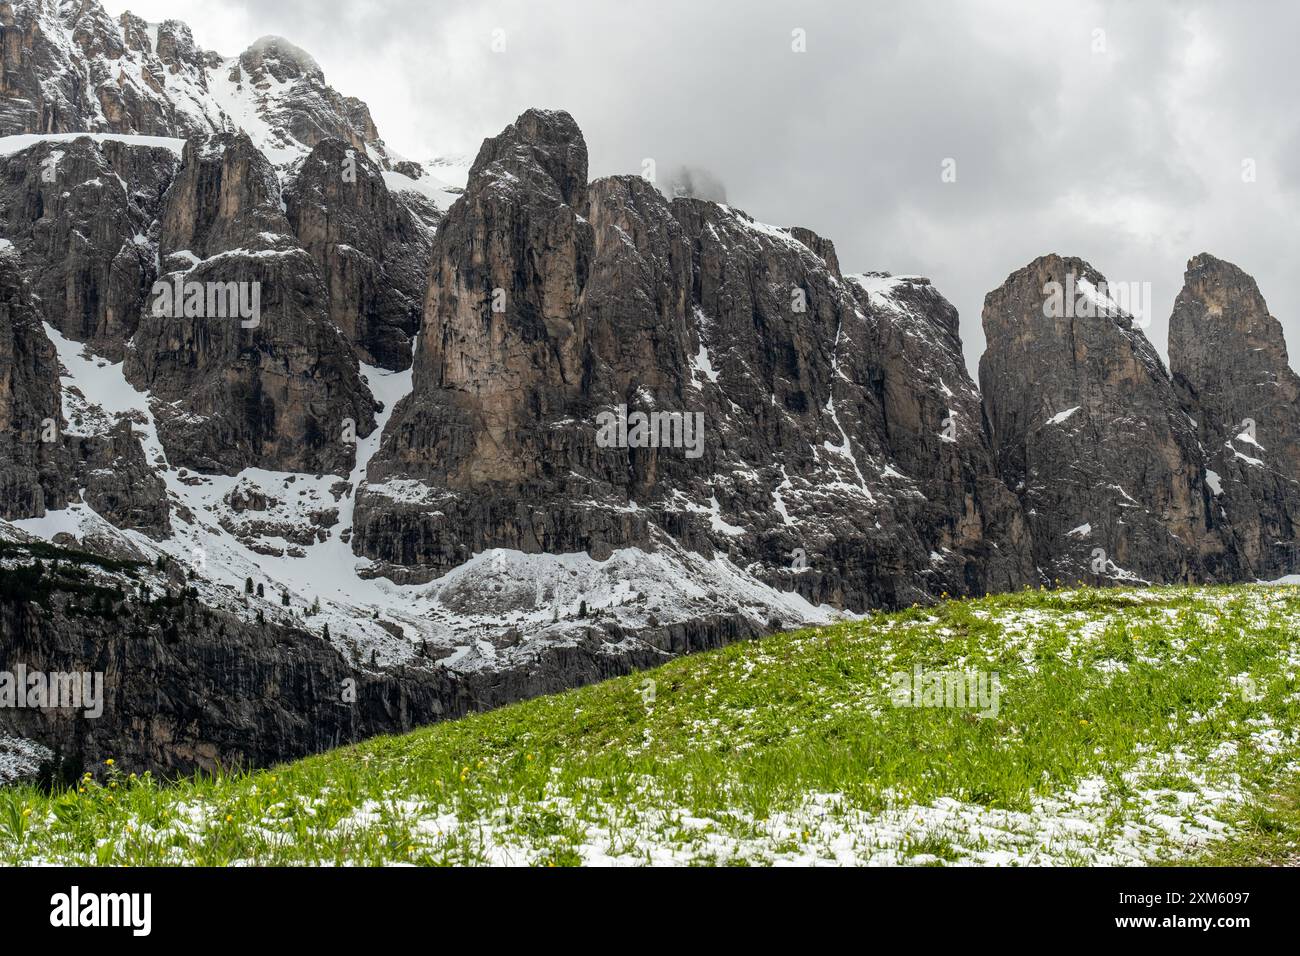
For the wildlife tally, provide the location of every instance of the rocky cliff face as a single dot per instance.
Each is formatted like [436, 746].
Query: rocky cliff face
[186, 687]
[553, 304]
[288, 92]
[935, 422]
[34, 465]
[98, 221]
[81, 214]
[1229, 356]
[273, 385]
[119, 483]
[71, 67]
[1091, 435]
[372, 250]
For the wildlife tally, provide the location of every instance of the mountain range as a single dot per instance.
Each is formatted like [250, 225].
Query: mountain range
[380, 494]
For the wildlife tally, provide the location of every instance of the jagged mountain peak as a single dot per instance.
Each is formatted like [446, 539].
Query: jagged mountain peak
[1090, 431]
[1078, 302]
[280, 58]
[1225, 290]
[544, 148]
[71, 67]
[1228, 357]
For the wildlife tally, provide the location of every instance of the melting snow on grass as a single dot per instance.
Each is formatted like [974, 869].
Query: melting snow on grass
[1137, 726]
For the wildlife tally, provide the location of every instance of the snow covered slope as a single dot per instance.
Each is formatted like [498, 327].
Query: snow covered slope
[289, 533]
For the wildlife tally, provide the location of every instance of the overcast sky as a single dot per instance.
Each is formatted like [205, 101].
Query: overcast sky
[1112, 131]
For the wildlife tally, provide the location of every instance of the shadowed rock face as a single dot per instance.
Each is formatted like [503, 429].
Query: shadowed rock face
[118, 482]
[35, 474]
[552, 303]
[82, 216]
[225, 196]
[1229, 356]
[933, 418]
[371, 250]
[1091, 435]
[187, 688]
[276, 393]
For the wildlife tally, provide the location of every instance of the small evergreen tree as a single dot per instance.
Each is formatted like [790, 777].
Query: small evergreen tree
[248, 585]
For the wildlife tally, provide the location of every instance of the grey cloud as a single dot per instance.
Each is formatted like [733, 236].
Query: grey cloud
[696, 183]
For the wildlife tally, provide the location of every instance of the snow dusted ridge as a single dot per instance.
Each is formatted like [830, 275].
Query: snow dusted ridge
[289, 532]
[9, 145]
[442, 193]
[84, 70]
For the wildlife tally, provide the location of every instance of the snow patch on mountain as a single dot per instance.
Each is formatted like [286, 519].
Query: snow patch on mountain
[9, 145]
[1061, 417]
[289, 533]
[441, 193]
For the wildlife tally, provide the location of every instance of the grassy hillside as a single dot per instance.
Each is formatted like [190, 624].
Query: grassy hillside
[1128, 726]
